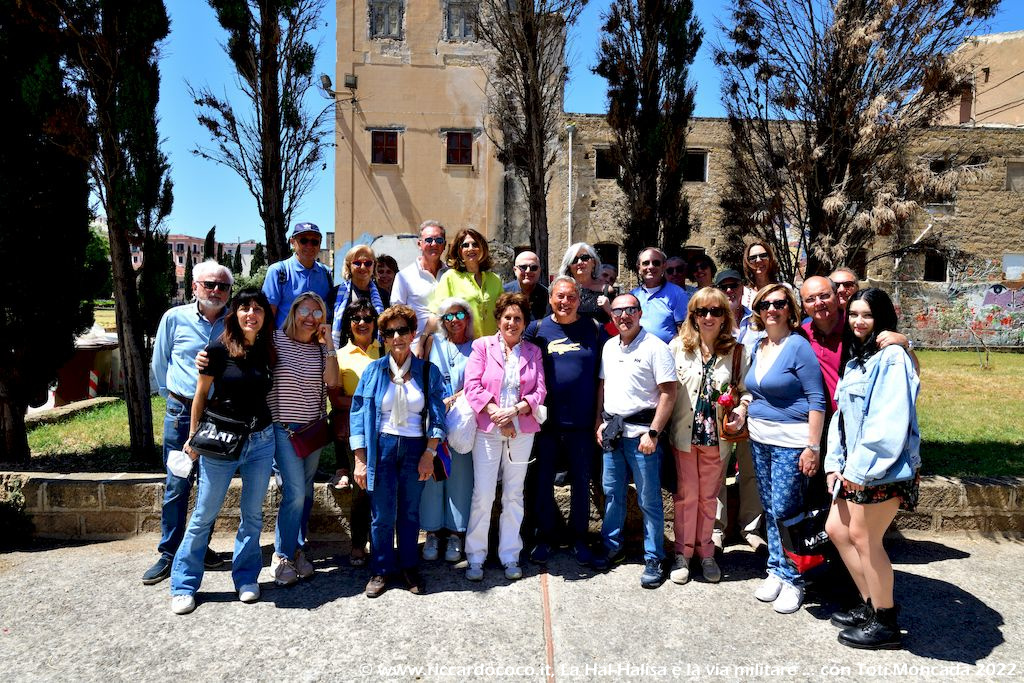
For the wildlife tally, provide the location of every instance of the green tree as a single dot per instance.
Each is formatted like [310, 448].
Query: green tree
[254, 280]
[279, 147]
[220, 253]
[259, 258]
[646, 50]
[210, 245]
[98, 282]
[187, 286]
[236, 260]
[157, 280]
[44, 192]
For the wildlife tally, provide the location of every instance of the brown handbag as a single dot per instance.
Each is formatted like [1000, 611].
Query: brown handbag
[315, 434]
[723, 433]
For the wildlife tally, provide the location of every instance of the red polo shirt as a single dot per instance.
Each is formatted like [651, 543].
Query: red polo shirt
[829, 349]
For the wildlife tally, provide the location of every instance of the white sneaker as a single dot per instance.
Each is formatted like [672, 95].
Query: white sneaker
[284, 572]
[182, 604]
[680, 569]
[513, 572]
[430, 548]
[453, 553]
[303, 567]
[718, 538]
[769, 589]
[475, 572]
[789, 600]
[250, 592]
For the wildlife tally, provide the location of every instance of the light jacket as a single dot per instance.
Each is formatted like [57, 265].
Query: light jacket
[877, 402]
[689, 369]
[486, 369]
[365, 418]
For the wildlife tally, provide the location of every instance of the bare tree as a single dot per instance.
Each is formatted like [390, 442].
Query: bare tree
[277, 146]
[525, 83]
[824, 98]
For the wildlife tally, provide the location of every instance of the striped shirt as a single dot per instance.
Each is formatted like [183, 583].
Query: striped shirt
[298, 394]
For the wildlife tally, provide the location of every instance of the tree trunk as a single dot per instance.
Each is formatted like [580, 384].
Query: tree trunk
[270, 103]
[13, 440]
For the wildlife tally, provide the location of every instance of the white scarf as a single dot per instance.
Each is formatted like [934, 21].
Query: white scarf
[400, 409]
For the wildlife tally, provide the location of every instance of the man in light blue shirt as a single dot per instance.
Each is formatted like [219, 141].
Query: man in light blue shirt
[183, 332]
[299, 274]
[663, 303]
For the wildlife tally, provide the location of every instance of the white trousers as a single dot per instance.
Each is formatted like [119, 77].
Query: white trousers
[494, 457]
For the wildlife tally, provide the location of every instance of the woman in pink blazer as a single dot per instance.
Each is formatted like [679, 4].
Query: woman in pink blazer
[505, 386]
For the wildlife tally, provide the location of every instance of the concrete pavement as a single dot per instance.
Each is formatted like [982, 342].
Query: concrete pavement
[80, 612]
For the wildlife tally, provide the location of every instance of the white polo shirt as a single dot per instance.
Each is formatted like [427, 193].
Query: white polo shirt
[632, 374]
[413, 287]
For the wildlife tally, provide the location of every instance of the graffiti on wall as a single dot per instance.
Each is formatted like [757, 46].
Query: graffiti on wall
[986, 313]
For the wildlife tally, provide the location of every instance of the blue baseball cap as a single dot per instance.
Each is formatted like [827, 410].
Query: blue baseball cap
[304, 227]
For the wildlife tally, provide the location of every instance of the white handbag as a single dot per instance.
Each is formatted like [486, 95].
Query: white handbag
[461, 422]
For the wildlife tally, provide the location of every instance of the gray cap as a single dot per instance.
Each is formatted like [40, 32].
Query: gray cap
[730, 274]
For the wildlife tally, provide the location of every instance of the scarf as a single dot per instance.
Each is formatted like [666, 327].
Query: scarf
[400, 410]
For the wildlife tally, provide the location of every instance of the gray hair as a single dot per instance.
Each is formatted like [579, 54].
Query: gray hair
[431, 223]
[571, 253]
[663, 257]
[442, 308]
[211, 267]
[565, 278]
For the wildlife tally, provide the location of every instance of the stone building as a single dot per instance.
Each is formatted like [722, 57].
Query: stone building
[997, 67]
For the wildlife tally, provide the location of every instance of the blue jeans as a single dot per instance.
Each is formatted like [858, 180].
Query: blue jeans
[177, 420]
[296, 493]
[646, 470]
[214, 479]
[781, 487]
[578, 446]
[395, 503]
[445, 504]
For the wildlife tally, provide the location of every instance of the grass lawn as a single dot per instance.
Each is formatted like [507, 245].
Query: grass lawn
[972, 423]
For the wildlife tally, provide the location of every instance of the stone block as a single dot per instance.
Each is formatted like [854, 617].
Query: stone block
[961, 523]
[109, 524]
[71, 495]
[228, 523]
[57, 524]
[32, 489]
[234, 496]
[991, 493]
[149, 524]
[329, 525]
[1017, 493]
[132, 496]
[941, 493]
[269, 523]
[914, 521]
[1013, 522]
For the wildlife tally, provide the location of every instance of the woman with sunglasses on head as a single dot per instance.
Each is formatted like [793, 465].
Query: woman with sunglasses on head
[504, 385]
[469, 278]
[397, 422]
[357, 283]
[445, 504]
[785, 421]
[306, 369]
[874, 457]
[703, 352]
[239, 369]
[760, 267]
[581, 263]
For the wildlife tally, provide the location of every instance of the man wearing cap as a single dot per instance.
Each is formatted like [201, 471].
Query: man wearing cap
[527, 272]
[663, 303]
[183, 332]
[414, 285]
[299, 274]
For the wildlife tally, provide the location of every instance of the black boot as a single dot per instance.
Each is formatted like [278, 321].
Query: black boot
[881, 632]
[856, 616]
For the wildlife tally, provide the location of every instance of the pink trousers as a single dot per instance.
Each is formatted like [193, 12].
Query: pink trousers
[698, 478]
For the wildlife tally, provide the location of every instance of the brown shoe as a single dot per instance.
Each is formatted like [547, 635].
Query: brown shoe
[414, 581]
[376, 586]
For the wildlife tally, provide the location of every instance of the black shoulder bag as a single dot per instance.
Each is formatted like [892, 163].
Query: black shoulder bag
[440, 471]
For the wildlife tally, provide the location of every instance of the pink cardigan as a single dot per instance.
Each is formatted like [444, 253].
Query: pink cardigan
[484, 372]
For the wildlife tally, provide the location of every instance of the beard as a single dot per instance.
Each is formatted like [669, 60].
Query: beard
[211, 304]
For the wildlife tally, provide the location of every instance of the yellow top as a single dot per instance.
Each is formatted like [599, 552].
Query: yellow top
[462, 285]
[352, 360]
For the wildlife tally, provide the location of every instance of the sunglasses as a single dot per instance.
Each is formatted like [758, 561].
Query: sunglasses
[729, 286]
[754, 258]
[362, 264]
[655, 262]
[306, 310]
[308, 240]
[583, 258]
[672, 270]
[452, 317]
[363, 319]
[777, 305]
[532, 268]
[625, 310]
[845, 284]
[222, 286]
[714, 312]
[397, 331]
[433, 240]
[470, 245]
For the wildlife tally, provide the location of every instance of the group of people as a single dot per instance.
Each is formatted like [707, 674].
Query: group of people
[572, 381]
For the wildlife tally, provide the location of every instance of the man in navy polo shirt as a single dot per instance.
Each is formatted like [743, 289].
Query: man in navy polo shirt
[663, 303]
[299, 274]
[527, 272]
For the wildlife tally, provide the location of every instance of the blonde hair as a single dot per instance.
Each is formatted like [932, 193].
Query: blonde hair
[689, 333]
[346, 269]
[289, 322]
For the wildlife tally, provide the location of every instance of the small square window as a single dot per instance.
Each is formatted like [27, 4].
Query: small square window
[460, 148]
[384, 145]
[605, 165]
[1015, 175]
[460, 17]
[695, 167]
[386, 19]
[935, 267]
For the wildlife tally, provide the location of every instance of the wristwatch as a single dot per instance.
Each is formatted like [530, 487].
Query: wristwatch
[813, 449]
[430, 450]
[653, 433]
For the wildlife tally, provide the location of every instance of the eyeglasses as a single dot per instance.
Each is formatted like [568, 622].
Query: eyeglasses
[367, 319]
[222, 286]
[777, 305]
[727, 286]
[754, 258]
[714, 312]
[583, 258]
[845, 284]
[531, 268]
[306, 310]
[362, 264]
[824, 296]
[433, 240]
[397, 331]
[470, 245]
[451, 317]
[308, 240]
[653, 262]
[672, 270]
[625, 310]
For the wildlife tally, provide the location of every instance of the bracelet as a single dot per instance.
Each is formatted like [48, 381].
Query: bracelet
[333, 353]
[430, 450]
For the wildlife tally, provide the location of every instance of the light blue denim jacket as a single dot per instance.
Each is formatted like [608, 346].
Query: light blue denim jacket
[877, 401]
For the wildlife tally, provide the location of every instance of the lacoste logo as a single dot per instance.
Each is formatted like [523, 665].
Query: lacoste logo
[563, 346]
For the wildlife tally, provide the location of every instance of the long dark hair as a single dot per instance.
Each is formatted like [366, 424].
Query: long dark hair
[234, 339]
[354, 308]
[884, 314]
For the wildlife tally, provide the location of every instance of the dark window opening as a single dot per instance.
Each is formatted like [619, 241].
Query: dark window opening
[460, 149]
[608, 253]
[695, 167]
[384, 145]
[605, 164]
[934, 267]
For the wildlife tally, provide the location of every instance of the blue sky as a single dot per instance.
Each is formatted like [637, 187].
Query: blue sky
[207, 194]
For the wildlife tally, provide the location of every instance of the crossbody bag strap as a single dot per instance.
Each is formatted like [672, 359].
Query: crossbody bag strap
[426, 396]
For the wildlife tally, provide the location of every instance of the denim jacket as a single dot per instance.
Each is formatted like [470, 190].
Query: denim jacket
[365, 418]
[877, 401]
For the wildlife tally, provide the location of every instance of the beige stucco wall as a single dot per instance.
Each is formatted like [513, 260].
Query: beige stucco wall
[997, 64]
